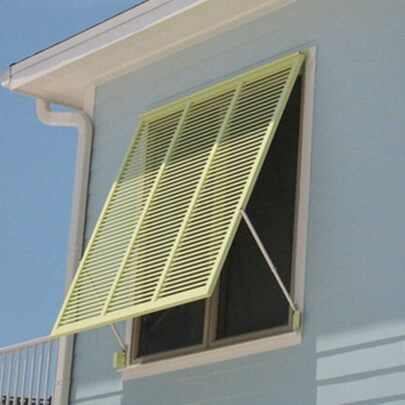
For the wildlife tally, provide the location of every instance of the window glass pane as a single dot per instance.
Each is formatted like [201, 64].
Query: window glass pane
[172, 328]
[250, 298]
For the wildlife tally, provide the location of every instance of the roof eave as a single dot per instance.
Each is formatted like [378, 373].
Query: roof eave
[62, 73]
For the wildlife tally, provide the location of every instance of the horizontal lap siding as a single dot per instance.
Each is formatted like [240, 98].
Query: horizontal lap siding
[354, 300]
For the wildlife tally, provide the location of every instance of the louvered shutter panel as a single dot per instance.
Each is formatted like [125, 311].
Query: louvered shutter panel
[174, 209]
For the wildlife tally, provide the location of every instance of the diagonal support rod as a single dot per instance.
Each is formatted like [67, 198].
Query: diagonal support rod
[268, 260]
[118, 337]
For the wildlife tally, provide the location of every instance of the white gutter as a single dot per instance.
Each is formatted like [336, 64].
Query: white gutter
[82, 122]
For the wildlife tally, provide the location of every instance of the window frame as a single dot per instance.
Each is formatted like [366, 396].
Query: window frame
[211, 350]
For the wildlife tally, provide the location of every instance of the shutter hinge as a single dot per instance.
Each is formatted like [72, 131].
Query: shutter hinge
[119, 359]
[296, 320]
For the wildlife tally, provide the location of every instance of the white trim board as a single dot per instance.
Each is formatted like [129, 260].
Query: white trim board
[140, 36]
[274, 342]
[211, 356]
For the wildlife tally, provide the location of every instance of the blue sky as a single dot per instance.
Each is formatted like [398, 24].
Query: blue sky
[36, 166]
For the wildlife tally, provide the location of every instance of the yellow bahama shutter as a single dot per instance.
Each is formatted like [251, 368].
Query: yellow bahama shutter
[174, 209]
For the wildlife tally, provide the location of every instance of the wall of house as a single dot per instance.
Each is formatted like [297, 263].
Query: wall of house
[353, 346]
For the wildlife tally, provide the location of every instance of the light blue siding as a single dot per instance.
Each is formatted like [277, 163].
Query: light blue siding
[353, 348]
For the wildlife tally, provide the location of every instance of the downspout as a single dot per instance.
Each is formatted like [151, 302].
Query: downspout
[81, 121]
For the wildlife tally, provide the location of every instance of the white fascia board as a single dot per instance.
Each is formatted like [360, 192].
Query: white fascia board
[142, 35]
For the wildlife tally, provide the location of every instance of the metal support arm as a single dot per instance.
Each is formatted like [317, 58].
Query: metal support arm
[269, 262]
[118, 337]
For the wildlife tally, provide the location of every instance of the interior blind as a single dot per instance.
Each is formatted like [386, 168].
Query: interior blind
[171, 215]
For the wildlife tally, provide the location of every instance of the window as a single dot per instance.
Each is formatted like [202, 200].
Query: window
[247, 302]
[167, 228]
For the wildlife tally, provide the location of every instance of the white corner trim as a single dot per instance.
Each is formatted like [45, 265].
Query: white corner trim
[83, 123]
[82, 120]
[89, 101]
[211, 356]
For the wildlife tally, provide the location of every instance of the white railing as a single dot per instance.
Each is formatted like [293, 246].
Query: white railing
[27, 372]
